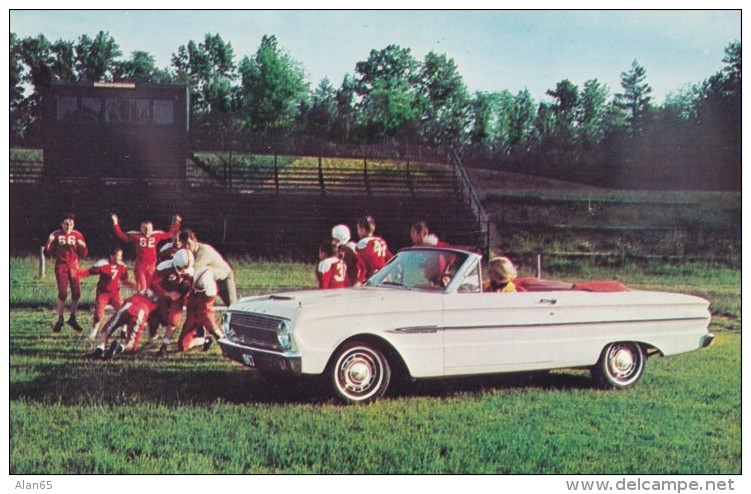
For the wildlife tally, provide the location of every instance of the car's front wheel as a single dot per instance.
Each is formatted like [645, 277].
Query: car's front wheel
[621, 365]
[360, 373]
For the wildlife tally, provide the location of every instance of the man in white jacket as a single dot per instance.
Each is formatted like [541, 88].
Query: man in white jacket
[207, 256]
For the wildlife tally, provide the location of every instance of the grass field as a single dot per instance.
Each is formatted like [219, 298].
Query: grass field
[199, 413]
[218, 160]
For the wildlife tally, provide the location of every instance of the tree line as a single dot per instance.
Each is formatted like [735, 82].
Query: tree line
[587, 133]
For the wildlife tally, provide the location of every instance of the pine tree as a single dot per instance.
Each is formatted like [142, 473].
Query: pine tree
[635, 100]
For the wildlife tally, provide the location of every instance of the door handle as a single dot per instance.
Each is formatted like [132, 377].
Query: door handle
[549, 301]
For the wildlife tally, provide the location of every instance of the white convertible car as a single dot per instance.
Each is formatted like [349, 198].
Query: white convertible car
[404, 320]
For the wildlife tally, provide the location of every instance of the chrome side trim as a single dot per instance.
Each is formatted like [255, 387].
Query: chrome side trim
[435, 329]
[414, 330]
[573, 323]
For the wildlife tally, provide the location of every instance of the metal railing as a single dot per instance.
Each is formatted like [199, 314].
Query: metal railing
[464, 186]
[314, 175]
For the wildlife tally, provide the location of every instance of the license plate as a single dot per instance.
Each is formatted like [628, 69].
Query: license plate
[248, 359]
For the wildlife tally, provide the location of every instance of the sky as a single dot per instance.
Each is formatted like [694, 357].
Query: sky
[494, 50]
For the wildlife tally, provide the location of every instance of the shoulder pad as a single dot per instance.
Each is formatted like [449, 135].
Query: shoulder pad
[164, 265]
[431, 240]
[325, 265]
[364, 242]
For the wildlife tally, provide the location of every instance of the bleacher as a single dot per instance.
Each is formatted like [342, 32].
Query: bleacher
[312, 175]
[25, 172]
[263, 211]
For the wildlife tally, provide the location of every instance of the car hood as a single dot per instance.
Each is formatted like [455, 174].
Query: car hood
[332, 303]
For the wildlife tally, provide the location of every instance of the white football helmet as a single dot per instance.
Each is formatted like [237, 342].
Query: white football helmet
[341, 233]
[183, 260]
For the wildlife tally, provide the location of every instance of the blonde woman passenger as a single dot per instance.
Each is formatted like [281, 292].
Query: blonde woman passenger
[501, 276]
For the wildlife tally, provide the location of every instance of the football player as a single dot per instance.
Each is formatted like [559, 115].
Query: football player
[200, 316]
[436, 267]
[347, 251]
[112, 273]
[168, 249]
[170, 282]
[67, 245]
[372, 251]
[331, 271]
[145, 242]
[420, 235]
[207, 256]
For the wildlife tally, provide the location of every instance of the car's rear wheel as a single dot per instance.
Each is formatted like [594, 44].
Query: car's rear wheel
[360, 373]
[621, 365]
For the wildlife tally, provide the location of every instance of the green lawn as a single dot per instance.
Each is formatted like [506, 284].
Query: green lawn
[200, 413]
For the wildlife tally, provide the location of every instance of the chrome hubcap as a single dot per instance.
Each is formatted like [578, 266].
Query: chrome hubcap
[622, 362]
[358, 373]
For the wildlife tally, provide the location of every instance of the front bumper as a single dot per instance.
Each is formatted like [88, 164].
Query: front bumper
[264, 360]
[707, 340]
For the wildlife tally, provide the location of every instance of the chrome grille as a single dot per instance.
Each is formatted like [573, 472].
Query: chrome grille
[254, 330]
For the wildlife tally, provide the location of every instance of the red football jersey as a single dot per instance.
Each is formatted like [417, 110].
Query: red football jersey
[145, 246]
[67, 247]
[373, 253]
[167, 251]
[203, 293]
[439, 265]
[331, 273]
[169, 283]
[434, 241]
[200, 303]
[348, 253]
[140, 305]
[110, 275]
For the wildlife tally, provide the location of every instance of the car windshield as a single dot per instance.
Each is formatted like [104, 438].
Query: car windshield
[421, 269]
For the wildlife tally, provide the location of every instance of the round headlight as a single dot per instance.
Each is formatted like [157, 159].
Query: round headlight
[283, 336]
[225, 325]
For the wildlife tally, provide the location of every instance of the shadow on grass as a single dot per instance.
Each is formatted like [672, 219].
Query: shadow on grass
[447, 387]
[202, 379]
[116, 384]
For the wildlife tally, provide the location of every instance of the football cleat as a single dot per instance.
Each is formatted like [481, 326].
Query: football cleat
[110, 350]
[74, 324]
[207, 344]
[119, 349]
[98, 353]
[153, 340]
[58, 325]
[162, 351]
